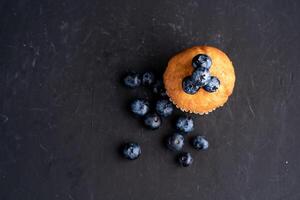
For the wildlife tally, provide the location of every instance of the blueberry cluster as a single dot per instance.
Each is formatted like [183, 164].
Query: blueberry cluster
[152, 118]
[175, 142]
[200, 77]
[141, 107]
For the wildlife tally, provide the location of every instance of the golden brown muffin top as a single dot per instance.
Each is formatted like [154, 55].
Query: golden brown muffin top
[180, 66]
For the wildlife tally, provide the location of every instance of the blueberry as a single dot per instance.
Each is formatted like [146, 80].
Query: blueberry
[175, 142]
[148, 78]
[189, 86]
[164, 107]
[132, 80]
[200, 143]
[212, 85]
[140, 107]
[131, 150]
[185, 124]
[152, 120]
[201, 76]
[185, 159]
[201, 60]
[159, 89]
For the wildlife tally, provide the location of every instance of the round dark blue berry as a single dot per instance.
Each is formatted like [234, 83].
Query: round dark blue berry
[158, 88]
[189, 86]
[201, 60]
[140, 107]
[212, 85]
[132, 80]
[164, 107]
[131, 151]
[152, 121]
[175, 142]
[148, 78]
[200, 143]
[201, 76]
[185, 159]
[185, 124]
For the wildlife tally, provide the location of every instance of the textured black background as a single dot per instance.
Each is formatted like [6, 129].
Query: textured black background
[63, 109]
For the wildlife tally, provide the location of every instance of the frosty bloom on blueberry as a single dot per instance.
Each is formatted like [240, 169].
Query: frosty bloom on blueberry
[200, 143]
[185, 159]
[190, 86]
[148, 78]
[131, 150]
[212, 85]
[132, 80]
[140, 107]
[201, 60]
[164, 107]
[201, 76]
[185, 124]
[152, 121]
[175, 142]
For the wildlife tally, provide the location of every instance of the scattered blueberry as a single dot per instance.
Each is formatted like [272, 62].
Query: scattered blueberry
[212, 85]
[201, 76]
[148, 78]
[131, 151]
[185, 159]
[158, 88]
[200, 143]
[201, 60]
[175, 142]
[132, 80]
[152, 120]
[164, 107]
[189, 86]
[140, 107]
[185, 124]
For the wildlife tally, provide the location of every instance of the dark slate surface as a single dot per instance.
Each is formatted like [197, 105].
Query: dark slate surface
[63, 110]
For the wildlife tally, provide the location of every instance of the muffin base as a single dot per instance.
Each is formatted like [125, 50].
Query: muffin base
[202, 102]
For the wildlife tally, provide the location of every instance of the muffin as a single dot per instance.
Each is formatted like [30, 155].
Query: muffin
[204, 98]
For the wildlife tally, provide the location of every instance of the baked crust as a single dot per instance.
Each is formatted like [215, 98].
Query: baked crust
[180, 66]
